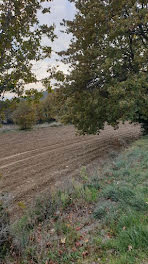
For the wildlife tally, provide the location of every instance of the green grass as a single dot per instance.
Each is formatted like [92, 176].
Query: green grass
[123, 207]
[4, 230]
[101, 219]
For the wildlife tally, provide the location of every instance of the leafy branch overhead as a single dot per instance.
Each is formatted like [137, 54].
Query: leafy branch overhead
[109, 61]
[21, 42]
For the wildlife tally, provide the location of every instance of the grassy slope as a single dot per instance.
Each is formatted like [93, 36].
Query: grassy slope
[103, 220]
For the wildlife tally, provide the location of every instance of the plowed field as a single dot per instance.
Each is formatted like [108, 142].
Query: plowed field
[36, 161]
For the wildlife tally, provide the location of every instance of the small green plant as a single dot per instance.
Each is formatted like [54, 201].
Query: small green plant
[84, 174]
[65, 199]
[85, 192]
[90, 194]
[100, 212]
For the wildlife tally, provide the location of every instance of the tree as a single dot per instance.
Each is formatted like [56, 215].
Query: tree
[20, 42]
[25, 115]
[33, 95]
[46, 109]
[108, 55]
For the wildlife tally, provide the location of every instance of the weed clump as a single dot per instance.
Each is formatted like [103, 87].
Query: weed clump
[138, 204]
[107, 211]
[134, 237]
[118, 193]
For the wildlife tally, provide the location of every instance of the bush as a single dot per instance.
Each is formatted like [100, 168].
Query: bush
[24, 116]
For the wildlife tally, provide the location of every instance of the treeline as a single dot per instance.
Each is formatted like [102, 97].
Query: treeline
[33, 108]
[107, 81]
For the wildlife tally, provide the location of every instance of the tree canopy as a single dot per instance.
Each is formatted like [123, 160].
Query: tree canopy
[21, 42]
[108, 55]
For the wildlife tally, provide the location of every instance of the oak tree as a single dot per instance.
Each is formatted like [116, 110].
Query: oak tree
[108, 54]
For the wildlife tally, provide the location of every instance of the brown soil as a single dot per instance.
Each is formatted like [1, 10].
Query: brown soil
[36, 161]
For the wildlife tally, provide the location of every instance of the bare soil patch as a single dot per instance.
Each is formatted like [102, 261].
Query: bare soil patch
[40, 160]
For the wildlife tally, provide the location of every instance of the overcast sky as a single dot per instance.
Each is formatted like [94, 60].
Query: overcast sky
[59, 9]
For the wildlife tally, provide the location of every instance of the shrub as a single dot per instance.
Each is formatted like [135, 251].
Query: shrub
[24, 115]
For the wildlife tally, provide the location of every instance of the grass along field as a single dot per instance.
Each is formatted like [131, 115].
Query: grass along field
[102, 220]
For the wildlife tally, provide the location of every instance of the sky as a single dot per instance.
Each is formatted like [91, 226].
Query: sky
[59, 9]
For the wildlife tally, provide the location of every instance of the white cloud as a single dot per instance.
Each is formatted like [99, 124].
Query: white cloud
[60, 9]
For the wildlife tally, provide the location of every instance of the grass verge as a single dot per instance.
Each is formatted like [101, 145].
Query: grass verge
[101, 220]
